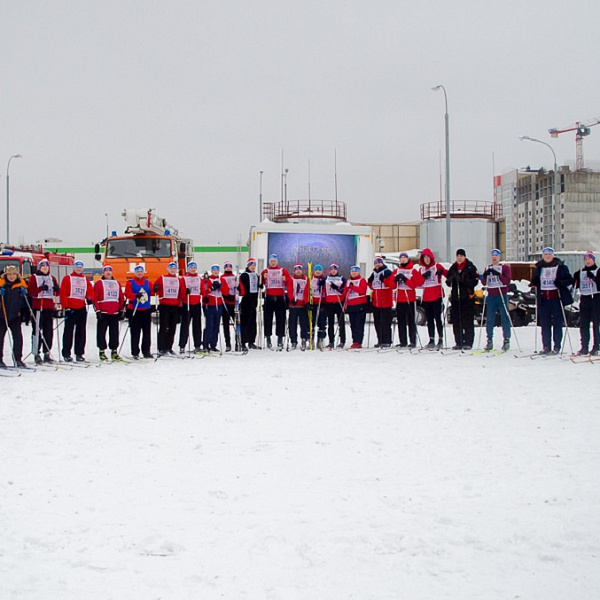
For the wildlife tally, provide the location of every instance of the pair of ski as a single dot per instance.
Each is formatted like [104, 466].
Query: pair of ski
[584, 358]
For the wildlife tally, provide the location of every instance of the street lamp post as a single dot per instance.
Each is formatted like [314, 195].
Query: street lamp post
[556, 191]
[260, 202]
[448, 210]
[8, 197]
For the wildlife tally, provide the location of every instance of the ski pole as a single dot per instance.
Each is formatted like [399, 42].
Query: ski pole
[10, 336]
[484, 316]
[128, 325]
[536, 320]
[566, 327]
[512, 327]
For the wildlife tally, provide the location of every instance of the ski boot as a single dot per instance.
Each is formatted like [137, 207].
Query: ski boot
[506, 345]
[489, 346]
[303, 345]
[115, 356]
[47, 358]
[279, 343]
[269, 344]
[294, 347]
[228, 348]
[38, 359]
[340, 346]
[20, 364]
[101, 354]
[439, 345]
[181, 350]
[594, 351]
[582, 352]
[320, 344]
[431, 345]
[80, 358]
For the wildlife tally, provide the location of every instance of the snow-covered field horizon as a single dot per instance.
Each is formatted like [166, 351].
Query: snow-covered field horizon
[303, 476]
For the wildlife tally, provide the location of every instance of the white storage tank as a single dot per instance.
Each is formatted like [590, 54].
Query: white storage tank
[473, 227]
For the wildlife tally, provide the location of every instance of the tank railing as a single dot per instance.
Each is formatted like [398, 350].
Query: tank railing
[461, 209]
[305, 209]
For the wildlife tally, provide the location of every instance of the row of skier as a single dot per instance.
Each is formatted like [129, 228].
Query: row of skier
[296, 304]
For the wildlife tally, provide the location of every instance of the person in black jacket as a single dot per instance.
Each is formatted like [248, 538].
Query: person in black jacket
[462, 278]
[551, 280]
[587, 280]
[13, 290]
[249, 290]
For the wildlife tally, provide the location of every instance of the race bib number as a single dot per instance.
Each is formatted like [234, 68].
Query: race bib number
[111, 290]
[170, 287]
[78, 288]
[548, 277]
[493, 281]
[192, 284]
[45, 280]
[274, 278]
[253, 278]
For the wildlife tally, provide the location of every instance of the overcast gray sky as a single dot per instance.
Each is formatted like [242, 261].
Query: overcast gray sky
[179, 104]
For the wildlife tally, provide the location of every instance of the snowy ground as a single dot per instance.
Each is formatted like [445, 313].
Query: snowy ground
[303, 476]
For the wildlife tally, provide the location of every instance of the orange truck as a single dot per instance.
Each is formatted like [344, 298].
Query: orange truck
[27, 257]
[149, 241]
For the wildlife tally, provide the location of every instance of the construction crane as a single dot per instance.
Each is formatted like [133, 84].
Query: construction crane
[582, 129]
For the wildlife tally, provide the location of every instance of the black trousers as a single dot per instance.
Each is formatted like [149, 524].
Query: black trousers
[463, 320]
[248, 318]
[319, 320]
[333, 310]
[228, 318]
[433, 314]
[298, 315]
[275, 305]
[357, 316]
[589, 314]
[75, 330]
[42, 341]
[405, 313]
[17, 337]
[193, 316]
[168, 316]
[108, 323]
[140, 325]
[383, 324]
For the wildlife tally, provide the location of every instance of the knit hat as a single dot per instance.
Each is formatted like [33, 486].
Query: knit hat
[496, 252]
[227, 263]
[405, 254]
[271, 256]
[43, 262]
[250, 261]
[461, 252]
[107, 268]
[378, 259]
[589, 254]
[355, 268]
[548, 250]
[139, 268]
[334, 266]
[192, 264]
[78, 263]
[172, 265]
[298, 266]
[215, 268]
[318, 267]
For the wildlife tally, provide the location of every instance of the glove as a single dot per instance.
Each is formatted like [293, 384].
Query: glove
[156, 288]
[44, 287]
[89, 301]
[591, 276]
[427, 275]
[139, 295]
[487, 272]
[335, 286]
[188, 291]
[24, 291]
[260, 286]
[216, 285]
[68, 312]
[122, 315]
[321, 283]
[439, 271]
[400, 277]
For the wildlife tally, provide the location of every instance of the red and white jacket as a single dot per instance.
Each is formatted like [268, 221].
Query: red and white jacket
[317, 289]
[170, 290]
[213, 297]
[42, 299]
[297, 291]
[432, 285]
[75, 290]
[382, 288]
[355, 292]
[275, 280]
[333, 296]
[108, 296]
[405, 290]
[194, 284]
[232, 285]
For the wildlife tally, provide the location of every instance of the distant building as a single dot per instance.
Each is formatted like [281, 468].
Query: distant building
[533, 218]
